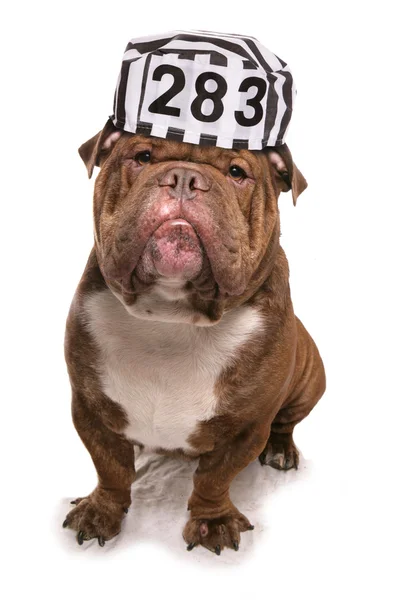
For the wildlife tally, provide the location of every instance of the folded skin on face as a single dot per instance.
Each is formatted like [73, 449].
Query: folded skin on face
[205, 217]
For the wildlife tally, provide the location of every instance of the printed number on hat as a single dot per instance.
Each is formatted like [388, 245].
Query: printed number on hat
[161, 104]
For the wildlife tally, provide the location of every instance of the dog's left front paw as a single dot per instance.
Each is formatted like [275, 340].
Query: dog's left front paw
[216, 534]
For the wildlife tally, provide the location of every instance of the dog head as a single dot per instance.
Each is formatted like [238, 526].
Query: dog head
[199, 226]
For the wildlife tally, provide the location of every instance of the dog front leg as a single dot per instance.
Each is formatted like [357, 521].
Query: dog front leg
[215, 522]
[100, 514]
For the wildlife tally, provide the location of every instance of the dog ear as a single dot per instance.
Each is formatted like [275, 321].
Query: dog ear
[101, 143]
[287, 175]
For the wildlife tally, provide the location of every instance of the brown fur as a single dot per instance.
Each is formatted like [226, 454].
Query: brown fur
[277, 376]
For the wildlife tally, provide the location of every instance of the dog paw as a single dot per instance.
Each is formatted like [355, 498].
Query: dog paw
[216, 534]
[280, 452]
[95, 516]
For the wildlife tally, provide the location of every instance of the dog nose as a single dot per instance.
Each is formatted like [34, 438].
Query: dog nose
[184, 182]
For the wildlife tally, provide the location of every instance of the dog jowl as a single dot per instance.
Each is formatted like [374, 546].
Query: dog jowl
[181, 337]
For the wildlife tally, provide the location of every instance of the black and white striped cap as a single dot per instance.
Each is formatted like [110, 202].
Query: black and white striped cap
[205, 88]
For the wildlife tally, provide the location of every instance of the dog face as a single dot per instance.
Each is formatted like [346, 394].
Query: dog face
[201, 221]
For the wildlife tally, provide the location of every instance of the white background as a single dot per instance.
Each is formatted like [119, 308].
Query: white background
[337, 528]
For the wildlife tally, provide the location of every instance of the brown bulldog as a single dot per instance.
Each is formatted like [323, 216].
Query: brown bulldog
[181, 336]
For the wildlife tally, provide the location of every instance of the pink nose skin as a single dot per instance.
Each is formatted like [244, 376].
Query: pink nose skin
[183, 183]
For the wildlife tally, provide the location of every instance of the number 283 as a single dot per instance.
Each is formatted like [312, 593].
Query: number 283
[160, 105]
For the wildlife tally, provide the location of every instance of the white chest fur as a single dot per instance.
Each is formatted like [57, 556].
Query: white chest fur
[163, 374]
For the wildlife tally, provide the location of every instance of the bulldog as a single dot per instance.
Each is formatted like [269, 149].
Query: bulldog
[181, 337]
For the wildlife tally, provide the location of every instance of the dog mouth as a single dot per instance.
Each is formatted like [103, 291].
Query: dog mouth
[173, 250]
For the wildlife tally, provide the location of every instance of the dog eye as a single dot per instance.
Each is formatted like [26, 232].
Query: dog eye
[236, 172]
[143, 157]
[286, 177]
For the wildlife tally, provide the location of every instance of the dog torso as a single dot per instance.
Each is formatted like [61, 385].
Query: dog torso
[162, 374]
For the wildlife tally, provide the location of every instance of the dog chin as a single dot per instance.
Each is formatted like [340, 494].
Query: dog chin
[173, 251]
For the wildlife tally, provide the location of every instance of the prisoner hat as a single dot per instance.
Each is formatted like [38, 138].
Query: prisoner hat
[205, 88]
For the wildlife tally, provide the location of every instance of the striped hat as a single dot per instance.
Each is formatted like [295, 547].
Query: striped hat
[205, 88]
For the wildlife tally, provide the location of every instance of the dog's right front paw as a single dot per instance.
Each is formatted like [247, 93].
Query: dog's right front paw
[96, 516]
